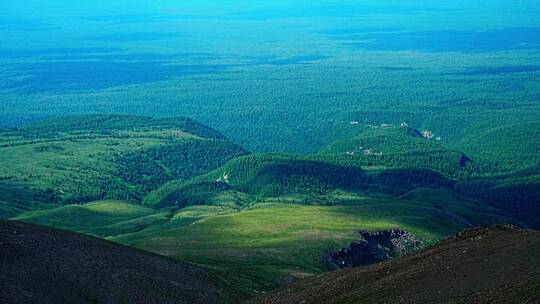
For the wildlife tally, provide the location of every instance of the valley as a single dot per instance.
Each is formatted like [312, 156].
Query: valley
[260, 220]
[326, 151]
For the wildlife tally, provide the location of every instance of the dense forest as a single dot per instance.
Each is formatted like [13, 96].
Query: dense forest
[393, 160]
[154, 167]
[110, 123]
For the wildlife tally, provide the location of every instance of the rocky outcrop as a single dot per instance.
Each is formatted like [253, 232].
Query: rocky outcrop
[374, 247]
[496, 265]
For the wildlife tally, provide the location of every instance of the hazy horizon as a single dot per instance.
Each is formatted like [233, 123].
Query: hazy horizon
[164, 58]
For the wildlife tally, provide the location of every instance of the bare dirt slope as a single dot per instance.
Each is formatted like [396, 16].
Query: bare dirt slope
[491, 265]
[45, 265]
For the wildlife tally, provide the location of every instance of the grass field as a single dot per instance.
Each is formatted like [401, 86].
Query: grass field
[102, 218]
[273, 243]
[260, 247]
[69, 164]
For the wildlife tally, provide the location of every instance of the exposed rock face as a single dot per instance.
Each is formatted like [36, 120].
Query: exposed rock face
[375, 247]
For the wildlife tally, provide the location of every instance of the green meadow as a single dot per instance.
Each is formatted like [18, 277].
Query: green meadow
[273, 241]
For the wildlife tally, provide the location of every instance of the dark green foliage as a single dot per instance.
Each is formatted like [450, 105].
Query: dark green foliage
[513, 146]
[198, 193]
[399, 147]
[278, 174]
[105, 187]
[154, 167]
[48, 148]
[407, 179]
[304, 176]
[108, 123]
[516, 193]
[399, 160]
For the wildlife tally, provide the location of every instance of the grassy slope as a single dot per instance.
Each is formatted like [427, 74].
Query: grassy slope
[302, 206]
[276, 239]
[102, 218]
[270, 243]
[74, 159]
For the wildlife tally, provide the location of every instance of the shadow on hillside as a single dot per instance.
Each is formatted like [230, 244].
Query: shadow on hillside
[320, 178]
[305, 176]
[397, 181]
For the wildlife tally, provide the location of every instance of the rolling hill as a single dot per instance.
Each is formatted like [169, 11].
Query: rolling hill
[390, 161]
[86, 158]
[274, 240]
[244, 146]
[46, 265]
[264, 220]
[493, 265]
[102, 218]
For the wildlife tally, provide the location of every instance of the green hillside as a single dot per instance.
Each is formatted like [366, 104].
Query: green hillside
[283, 238]
[262, 220]
[391, 161]
[86, 158]
[277, 239]
[492, 170]
[102, 218]
[262, 142]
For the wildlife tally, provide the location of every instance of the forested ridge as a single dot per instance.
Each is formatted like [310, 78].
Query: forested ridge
[393, 160]
[154, 167]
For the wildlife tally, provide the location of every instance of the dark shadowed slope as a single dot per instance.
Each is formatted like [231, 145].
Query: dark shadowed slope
[45, 265]
[494, 265]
